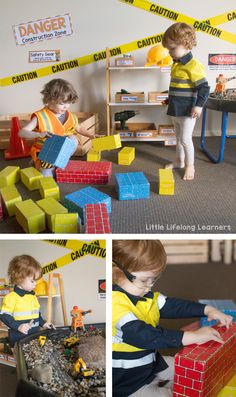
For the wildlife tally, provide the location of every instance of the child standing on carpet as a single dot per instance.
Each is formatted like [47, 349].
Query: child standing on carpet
[54, 118]
[138, 369]
[188, 92]
[20, 308]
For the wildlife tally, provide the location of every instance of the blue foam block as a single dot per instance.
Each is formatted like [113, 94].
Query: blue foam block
[132, 186]
[57, 150]
[226, 306]
[76, 201]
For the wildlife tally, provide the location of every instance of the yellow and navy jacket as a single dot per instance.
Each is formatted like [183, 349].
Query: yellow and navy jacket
[19, 307]
[188, 86]
[136, 336]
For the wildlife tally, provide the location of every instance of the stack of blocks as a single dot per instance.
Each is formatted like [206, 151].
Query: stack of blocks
[106, 143]
[166, 182]
[51, 207]
[66, 223]
[126, 155]
[225, 306]
[93, 156]
[96, 219]
[10, 196]
[49, 188]
[132, 186]
[76, 201]
[9, 176]
[31, 177]
[57, 150]
[202, 370]
[229, 390]
[86, 173]
[30, 216]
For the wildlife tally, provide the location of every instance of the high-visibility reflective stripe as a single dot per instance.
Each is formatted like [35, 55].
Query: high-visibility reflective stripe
[175, 80]
[4, 312]
[139, 362]
[198, 82]
[21, 314]
[116, 339]
[35, 324]
[183, 93]
[122, 321]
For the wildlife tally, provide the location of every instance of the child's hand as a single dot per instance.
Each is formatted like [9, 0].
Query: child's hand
[202, 335]
[196, 112]
[214, 314]
[49, 326]
[24, 328]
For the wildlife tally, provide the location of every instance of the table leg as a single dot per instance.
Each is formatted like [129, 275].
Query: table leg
[224, 123]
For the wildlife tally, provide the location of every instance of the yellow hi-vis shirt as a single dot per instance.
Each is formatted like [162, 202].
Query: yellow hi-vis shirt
[21, 307]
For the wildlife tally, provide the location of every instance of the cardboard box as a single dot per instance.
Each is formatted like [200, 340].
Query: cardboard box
[124, 62]
[157, 97]
[166, 129]
[137, 130]
[133, 97]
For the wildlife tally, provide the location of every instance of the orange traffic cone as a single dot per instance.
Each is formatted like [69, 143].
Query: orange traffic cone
[18, 147]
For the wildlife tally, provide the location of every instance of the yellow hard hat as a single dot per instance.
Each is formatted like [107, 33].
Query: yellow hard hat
[158, 56]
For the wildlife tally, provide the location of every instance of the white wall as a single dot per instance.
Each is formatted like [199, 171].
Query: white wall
[80, 277]
[96, 25]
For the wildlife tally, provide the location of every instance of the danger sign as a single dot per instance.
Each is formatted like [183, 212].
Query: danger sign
[222, 61]
[42, 29]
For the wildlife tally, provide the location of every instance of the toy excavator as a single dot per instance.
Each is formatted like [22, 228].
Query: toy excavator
[78, 318]
[123, 117]
[220, 90]
[81, 368]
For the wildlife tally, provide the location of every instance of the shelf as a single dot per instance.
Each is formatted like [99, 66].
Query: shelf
[141, 139]
[139, 68]
[134, 104]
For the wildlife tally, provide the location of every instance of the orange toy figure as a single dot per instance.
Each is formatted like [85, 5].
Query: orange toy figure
[78, 317]
[220, 84]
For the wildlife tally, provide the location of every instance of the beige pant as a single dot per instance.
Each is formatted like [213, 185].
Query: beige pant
[153, 389]
[184, 127]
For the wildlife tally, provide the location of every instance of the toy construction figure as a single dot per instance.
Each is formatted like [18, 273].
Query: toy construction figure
[78, 318]
[220, 90]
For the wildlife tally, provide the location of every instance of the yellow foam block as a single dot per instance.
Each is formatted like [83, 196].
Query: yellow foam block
[31, 177]
[66, 223]
[166, 182]
[93, 156]
[51, 207]
[126, 155]
[106, 143]
[49, 188]
[10, 197]
[229, 390]
[9, 176]
[30, 216]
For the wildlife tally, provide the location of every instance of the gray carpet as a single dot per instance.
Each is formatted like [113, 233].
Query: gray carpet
[7, 381]
[205, 205]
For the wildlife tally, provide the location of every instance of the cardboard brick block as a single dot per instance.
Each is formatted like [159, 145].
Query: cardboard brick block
[132, 186]
[126, 155]
[9, 175]
[31, 177]
[96, 219]
[226, 306]
[49, 188]
[203, 370]
[106, 143]
[166, 182]
[30, 216]
[85, 172]
[93, 156]
[76, 201]
[51, 207]
[57, 150]
[10, 196]
[66, 223]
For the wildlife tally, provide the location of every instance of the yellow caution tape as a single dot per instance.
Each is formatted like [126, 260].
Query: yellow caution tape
[80, 249]
[199, 26]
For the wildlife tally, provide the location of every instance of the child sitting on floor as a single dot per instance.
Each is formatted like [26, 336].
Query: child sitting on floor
[138, 368]
[20, 308]
[188, 93]
[54, 118]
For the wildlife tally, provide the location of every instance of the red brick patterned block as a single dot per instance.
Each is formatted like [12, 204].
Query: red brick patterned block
[92, 172]
[96, 219]
[202, 370]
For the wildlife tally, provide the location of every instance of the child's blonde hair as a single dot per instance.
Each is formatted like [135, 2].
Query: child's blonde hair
[59, 90]
[180, 33]
[23, 266]
[137, 255]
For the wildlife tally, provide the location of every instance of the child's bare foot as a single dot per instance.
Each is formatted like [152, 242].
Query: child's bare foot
[189, 173]
[172, 166]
